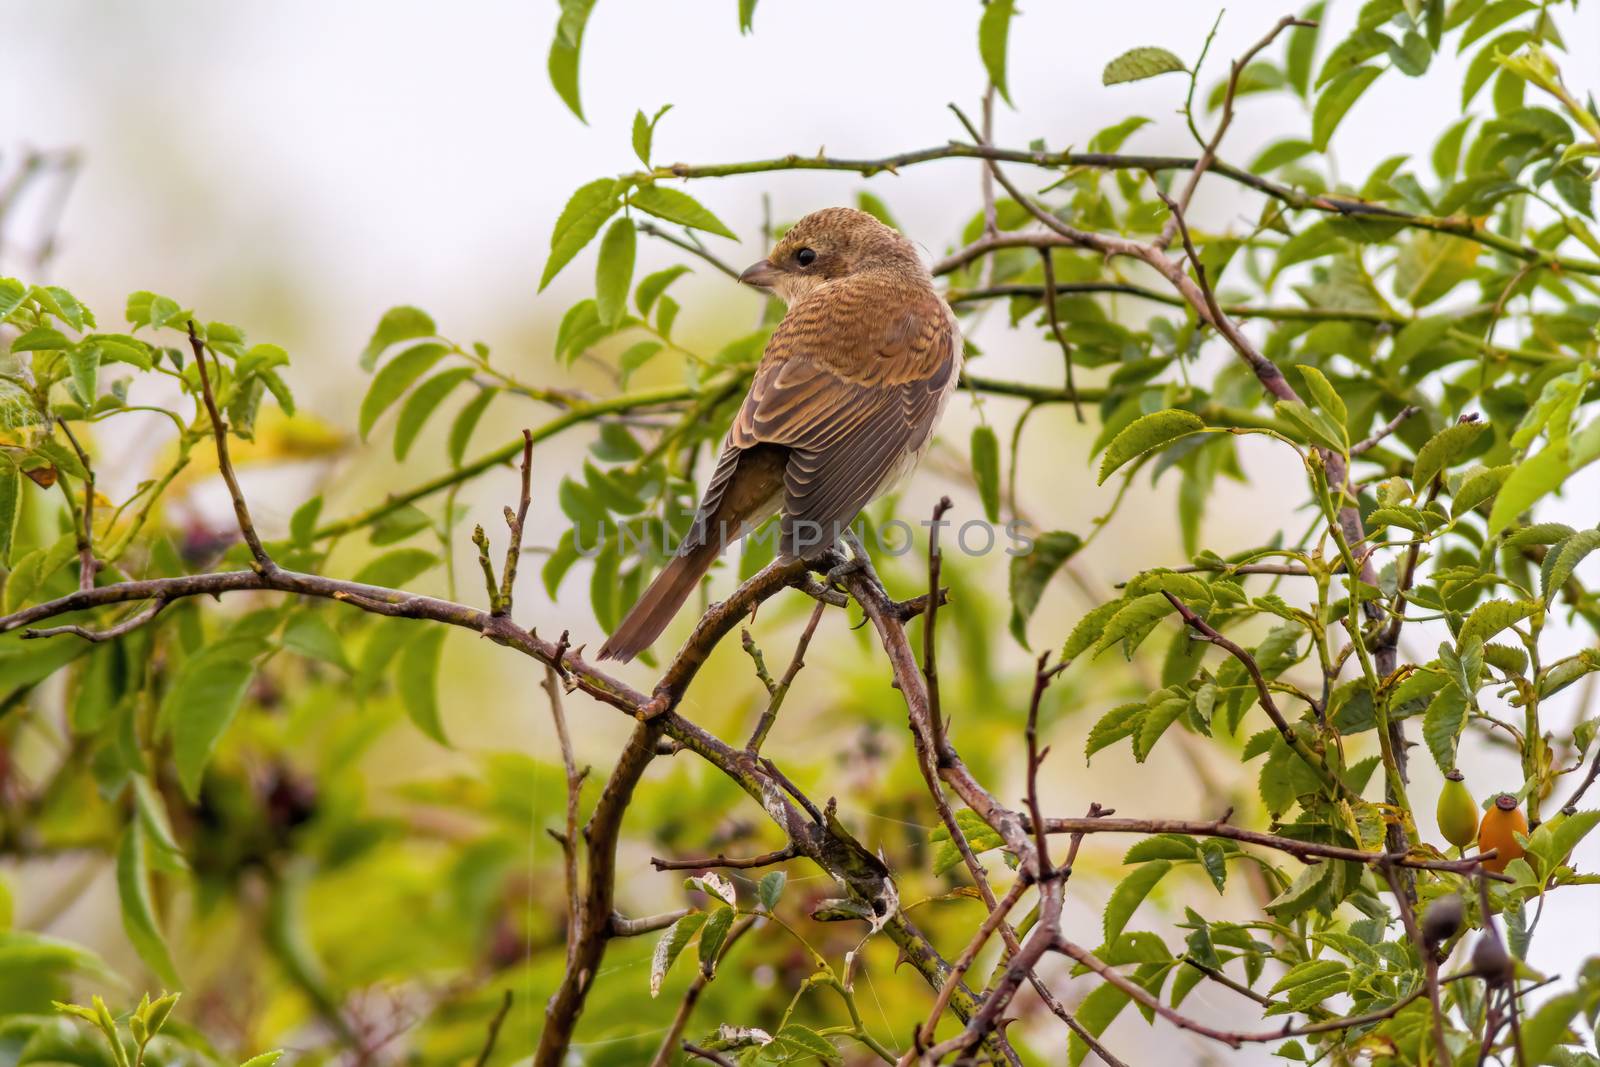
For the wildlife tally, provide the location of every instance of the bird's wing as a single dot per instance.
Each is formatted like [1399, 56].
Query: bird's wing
[853, 380]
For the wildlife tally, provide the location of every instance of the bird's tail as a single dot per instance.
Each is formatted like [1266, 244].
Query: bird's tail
[660, 602]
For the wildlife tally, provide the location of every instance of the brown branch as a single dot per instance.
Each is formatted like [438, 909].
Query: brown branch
[494, 1030]
[1384, 431]
[622, 926]
[110, 633]
[930, 643]
[587, 943]
[745, 863]
[514, 523]
[1209, 155]
[780, 689]
[1041, 681]
[1305, 851]
[88, 566]
[219, 430]
[964, 962]
[1430, 963]
[1050, 292]
[574, 787]
[706, 1054]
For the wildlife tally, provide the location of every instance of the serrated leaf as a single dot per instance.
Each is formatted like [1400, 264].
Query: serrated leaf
[1302, 893]
[1560, 562]
[1094, 1013]
[1121, 721]
[1162, 847]
[1316, 426]
[1309, 971]
[980, 837]
[1129, 894]
[671, 945]
[1155, 723]
[579, 222]
[994, 31]
[674, 205]
[1136, 64]
[651, 286]
[1134, 621]
[985, 450]
[1443, 450]
[796, 1040]
[1146, 434]
[1492, 616]
[1442, 726]
[1477, 487]
[614, 271]
[1087, 632]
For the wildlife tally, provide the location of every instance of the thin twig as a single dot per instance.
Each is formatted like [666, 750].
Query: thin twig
[1055, 328]
[494, 1029]
[780, 689]
[738, 863]
[514, 523]
[110, 633]
[219, 429]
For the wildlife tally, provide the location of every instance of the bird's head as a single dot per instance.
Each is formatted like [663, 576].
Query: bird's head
[836, 242]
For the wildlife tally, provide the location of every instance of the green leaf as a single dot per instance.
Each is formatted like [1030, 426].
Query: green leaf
[1155, 723]
[1326, 396]
[1134, 621]
[1095, 1012]
[397, 567]
[1546, 1028]
[986, 469]
[1534, 478]
[1338, 98]
[1121, 721]
[1442, 451]
[303, 523]
[564, 50]
[671, 944]
[1442, 726]
[677, 206]
[1087, 632]
[994, 31]
[770, 889]
[1561, 561]
[1302, 893]
[1351, 52]
[1492, 616]
[398, 324]
[613, 273]
[1146, 434]
[1316, 426]
[1138, 64]
[395, 377]
[309, 634]
[201, 704]
[713, 936]
[653, 285]
[580, 220]
[84, 362]
[1476, 487]
[980, 837]
[796, 1043]
[635, 356]
[417, 679]
[12, 294]
[41, 339]
[420, 405]
[644, 131]
[266, 1059]
[1129, 894]
[1032, 572]
[138, 913]
[10, 497]
[1307, 972]
[466, 421]
[1431, 264]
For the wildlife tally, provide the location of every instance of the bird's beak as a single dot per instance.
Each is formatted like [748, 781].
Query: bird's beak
[762, 275]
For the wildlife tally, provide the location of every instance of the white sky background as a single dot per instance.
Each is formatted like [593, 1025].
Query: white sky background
[297, 167]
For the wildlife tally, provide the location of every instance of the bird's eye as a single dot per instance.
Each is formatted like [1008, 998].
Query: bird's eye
[805, 257]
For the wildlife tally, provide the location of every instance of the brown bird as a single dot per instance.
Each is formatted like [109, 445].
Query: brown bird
[843, 404]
